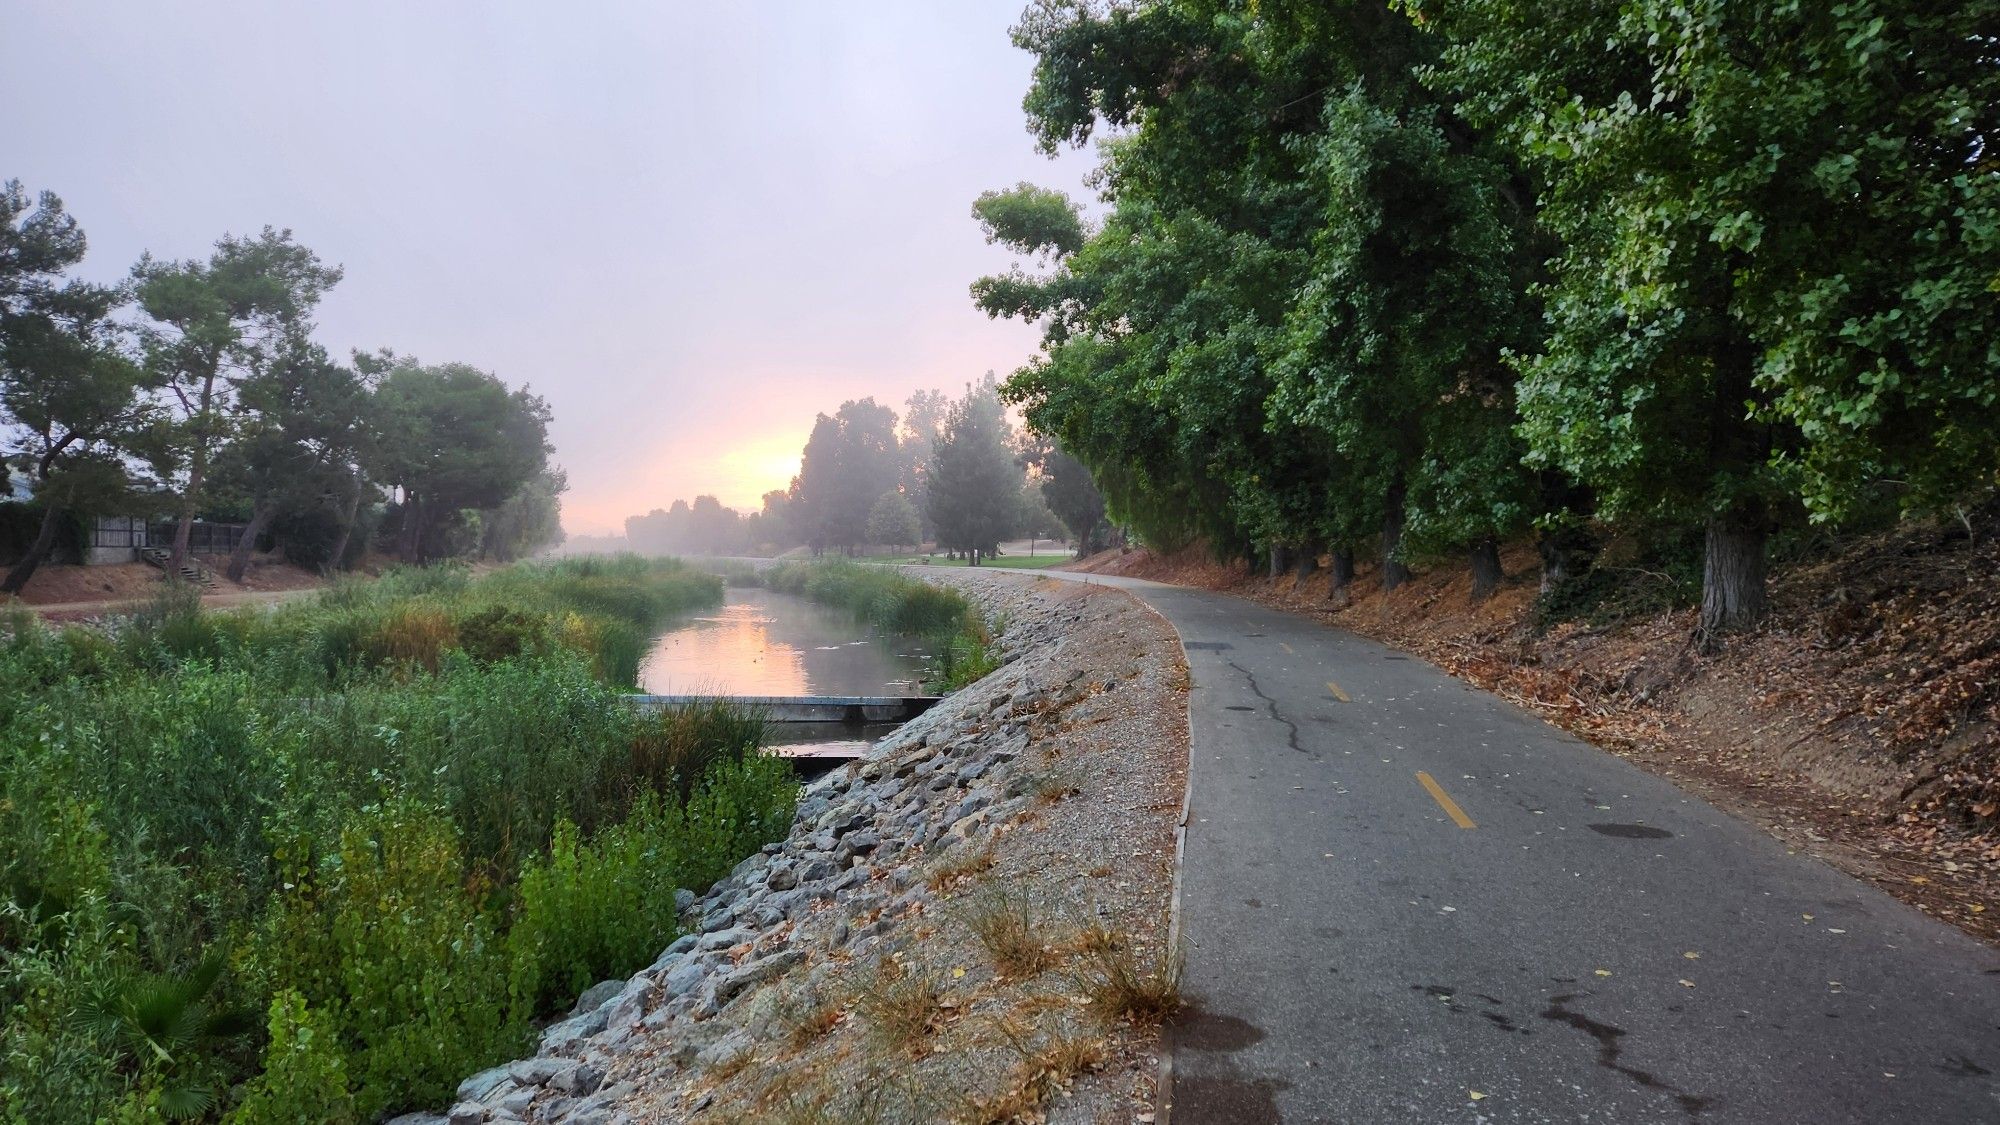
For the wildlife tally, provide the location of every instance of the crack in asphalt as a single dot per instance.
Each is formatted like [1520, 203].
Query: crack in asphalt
[1271, 708]
[1609, 1048]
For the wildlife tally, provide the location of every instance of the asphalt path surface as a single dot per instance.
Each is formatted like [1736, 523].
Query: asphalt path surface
[1406, 900]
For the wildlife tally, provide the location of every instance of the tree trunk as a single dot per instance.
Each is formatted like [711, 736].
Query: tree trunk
[197, 474]
[261, 514]
[45, 538]
[1566, 545]
[1305, 565]
[1281, 558]
[185, 531]
[1343, 574]
[348, 513]
[410, 538]
[1394, 573]
[1732, 573]
[1486, 572]
[1732, 579]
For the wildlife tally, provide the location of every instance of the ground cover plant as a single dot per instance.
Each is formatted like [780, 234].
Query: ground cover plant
[961, 644]
[329, 858]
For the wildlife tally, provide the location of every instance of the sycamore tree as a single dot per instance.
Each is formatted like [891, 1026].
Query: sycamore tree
[1416, 285]
[69, 388]
[1778, 229]
[216, 323]
[1295, 310]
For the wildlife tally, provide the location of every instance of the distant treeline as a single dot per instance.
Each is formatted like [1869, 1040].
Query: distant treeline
[194, 390]
[956, 473]
[1404, 280]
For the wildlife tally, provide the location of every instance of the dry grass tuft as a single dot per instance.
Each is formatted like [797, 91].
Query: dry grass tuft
[1094, 937]
[903, 1006]
[1120, 987]
[1006, 925]
[808, 1017]
[961, 864]
[1044, 1072]
[727, 1070]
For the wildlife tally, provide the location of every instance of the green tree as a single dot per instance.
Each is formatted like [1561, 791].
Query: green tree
[850, 460]
[528, 521]
[454, 439]
[1394, 345]
[1778, 229]
[974, 480]
[1295, 311]
[216, 323]
[893, 521]
[67, 384]
[1069, 491]
[304, 421]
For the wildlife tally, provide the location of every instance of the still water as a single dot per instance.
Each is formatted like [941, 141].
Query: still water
[761, 642]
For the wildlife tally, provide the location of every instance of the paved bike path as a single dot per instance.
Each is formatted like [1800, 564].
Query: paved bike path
[1406, 900]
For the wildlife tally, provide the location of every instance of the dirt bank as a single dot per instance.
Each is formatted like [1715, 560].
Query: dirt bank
[70, 592]
[957, 928]
[1860, 725]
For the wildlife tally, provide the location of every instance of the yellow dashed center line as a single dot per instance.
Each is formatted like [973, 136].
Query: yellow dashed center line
[1337, 693]
[1444, 800]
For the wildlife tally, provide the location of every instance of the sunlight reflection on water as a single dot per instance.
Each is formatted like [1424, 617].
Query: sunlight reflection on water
[766, 643]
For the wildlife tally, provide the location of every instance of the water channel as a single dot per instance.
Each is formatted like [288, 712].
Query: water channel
[762, 642]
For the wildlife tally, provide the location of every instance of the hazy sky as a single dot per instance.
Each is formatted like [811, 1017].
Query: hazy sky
[689, 225]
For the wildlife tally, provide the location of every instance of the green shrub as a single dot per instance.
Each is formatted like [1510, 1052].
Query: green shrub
[53, 1069]
[304, 1076]
[591, 910]
[738, 808]
[385, 936]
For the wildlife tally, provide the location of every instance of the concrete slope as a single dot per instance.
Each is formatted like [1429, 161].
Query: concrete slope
[1405, 900]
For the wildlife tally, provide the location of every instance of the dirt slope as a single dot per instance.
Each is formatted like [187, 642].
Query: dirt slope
[73, 591]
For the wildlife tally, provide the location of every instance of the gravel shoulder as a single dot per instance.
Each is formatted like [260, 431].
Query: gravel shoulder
[968, 925]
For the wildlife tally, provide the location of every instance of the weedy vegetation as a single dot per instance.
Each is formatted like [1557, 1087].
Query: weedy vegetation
[321, 861]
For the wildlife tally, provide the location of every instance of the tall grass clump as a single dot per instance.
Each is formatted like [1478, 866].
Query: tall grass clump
[344, 851]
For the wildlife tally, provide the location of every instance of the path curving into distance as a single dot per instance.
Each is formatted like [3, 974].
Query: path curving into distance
[1406, 900]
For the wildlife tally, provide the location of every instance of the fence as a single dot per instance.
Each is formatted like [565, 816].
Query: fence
[115, 539]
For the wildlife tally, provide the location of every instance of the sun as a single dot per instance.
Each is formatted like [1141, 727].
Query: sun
[751, 468]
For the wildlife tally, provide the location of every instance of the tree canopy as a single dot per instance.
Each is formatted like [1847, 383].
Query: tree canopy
[1410, 279]
[197, 385]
